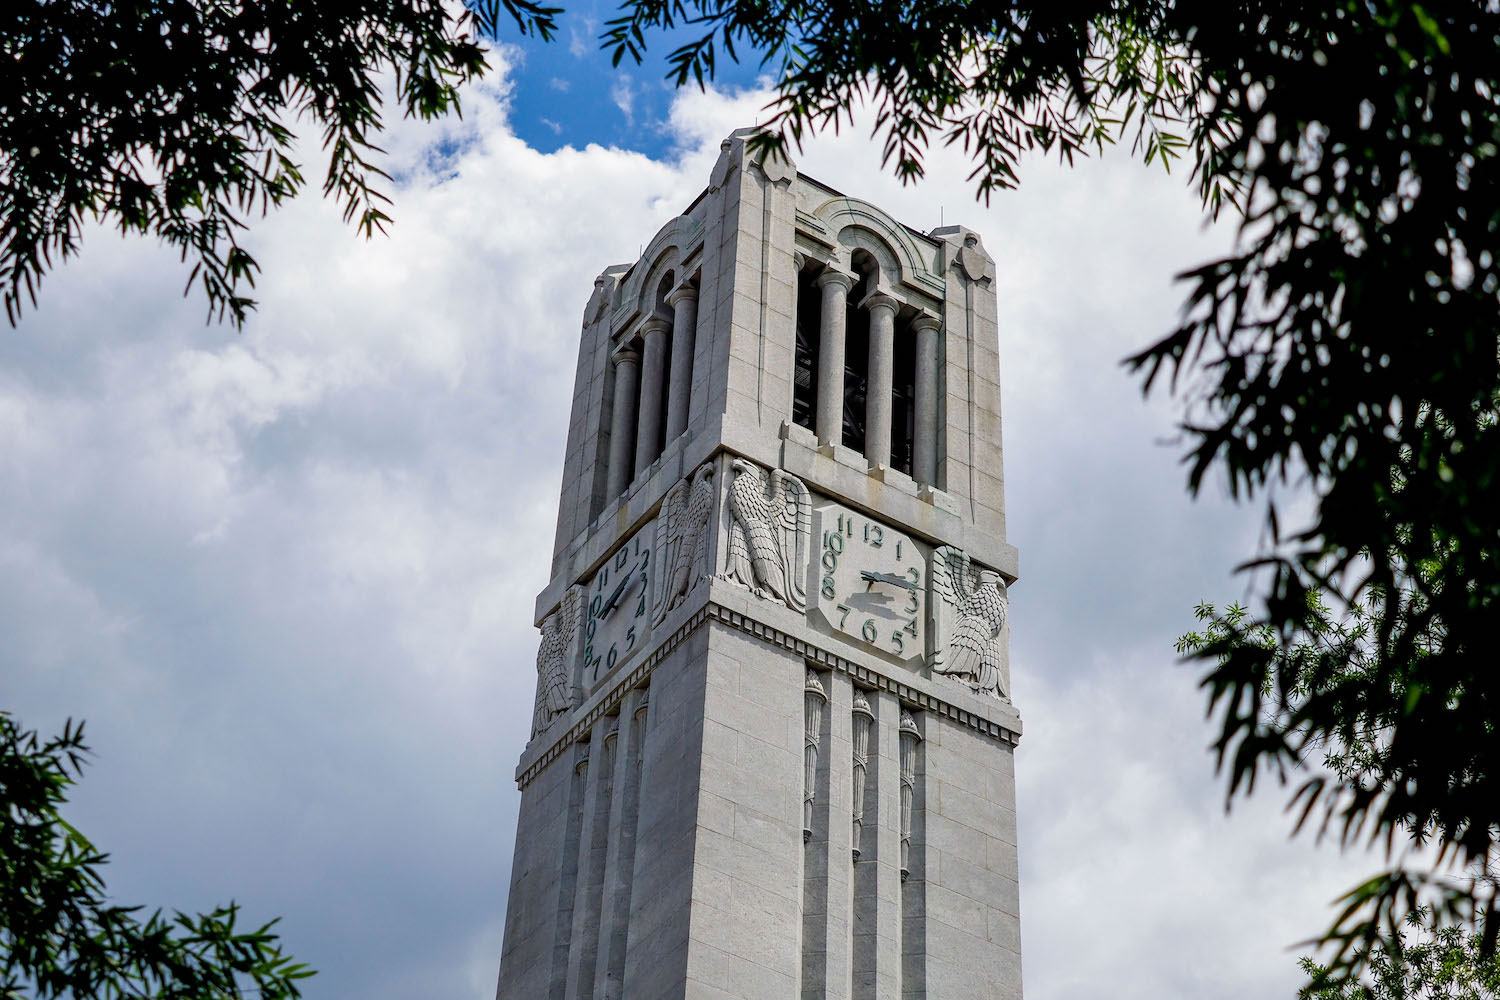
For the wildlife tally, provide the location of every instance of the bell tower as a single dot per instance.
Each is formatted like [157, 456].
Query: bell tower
[773, 743]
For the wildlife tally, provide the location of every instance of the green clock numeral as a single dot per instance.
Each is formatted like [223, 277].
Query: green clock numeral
[845, 617]
[828, 589]
[896, 640]
[868, 630]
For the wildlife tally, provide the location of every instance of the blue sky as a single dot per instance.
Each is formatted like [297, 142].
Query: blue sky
[287, 574]
[568, 92]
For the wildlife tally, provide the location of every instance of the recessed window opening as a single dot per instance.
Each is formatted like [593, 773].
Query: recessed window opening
[857, 351]
[660, 403]
[805, 363]
[903, 398]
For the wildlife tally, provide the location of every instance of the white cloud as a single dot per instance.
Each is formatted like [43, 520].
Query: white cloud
[622, 93]
[288, 574]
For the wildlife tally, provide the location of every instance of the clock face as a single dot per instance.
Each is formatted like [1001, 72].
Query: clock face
[618, 613]
[871, 584]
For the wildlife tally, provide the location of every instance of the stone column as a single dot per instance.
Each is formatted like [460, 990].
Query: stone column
[653, 385]
[814, 699]
[684, 303]
[882, 310]
[924, 447]
[622, 417]
[830, 417]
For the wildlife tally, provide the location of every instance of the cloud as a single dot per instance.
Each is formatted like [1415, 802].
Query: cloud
[622, 93]
[582, 34]
[288, 574]
[559, 84]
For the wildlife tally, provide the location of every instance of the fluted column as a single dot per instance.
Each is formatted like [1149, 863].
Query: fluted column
[882, 310]
[653, 384]
[830, 417]
[924, 447]
[622, 417]
[684, 303]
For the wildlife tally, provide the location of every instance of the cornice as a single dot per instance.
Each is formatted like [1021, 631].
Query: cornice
[533, 762]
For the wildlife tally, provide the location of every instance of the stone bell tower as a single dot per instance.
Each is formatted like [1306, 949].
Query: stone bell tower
[773, 744]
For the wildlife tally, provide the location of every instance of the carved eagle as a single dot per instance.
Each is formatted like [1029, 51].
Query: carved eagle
[683, 548]
[973, 650]
[554, 696]
[769, 524]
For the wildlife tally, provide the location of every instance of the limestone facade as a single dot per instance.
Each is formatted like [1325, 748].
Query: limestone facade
[772, 750]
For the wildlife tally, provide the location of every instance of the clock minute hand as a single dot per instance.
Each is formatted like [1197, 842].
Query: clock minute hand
[890, 578]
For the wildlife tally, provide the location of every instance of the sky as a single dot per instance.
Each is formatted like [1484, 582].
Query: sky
[287, 574]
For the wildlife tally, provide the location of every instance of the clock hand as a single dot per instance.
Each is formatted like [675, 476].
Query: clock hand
[889, 578]
[614, 599]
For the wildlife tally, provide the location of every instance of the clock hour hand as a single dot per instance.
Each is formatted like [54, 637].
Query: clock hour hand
[614, 598]
[890, 578]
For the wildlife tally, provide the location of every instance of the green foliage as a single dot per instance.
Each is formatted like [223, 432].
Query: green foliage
[60, 937]
[1326, 692]
[1445, 965]
[174, 117]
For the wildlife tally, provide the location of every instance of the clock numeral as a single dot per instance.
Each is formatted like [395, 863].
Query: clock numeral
[845, 617]
[833, 542]
[614, 654]
[874, 536]
[868, 630]
[897, 642]
[602, 578]
[830, 560]
[630, 634]
[640, 606]
[911, 627]
[911, 595]
[914, 574]
[592, 626]
[828, 589]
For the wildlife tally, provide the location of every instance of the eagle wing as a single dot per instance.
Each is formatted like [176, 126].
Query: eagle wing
[668, 542]
[791, 510]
